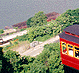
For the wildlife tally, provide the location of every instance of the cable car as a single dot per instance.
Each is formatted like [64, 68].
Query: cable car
[69, 46]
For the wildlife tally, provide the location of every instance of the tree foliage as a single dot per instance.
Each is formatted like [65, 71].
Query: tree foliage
[1, 56]
[43, 32]
[68, 18]
[1, 31]
[16, 61]
[28, 22]
[48, 61]
[54, 27]
[39, 19]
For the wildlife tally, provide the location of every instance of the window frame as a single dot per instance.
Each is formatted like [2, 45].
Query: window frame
[74, 51]
[73, 48]
[63, 46]
[70, 48]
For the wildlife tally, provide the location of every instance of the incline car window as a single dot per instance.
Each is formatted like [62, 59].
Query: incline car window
[70, 50]
[77, 52]
[64, 50]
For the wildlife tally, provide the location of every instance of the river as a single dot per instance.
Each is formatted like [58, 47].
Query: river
[15, 11]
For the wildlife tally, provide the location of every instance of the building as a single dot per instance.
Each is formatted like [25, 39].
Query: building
[69, 46]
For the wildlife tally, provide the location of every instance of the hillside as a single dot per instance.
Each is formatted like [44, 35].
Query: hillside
[49, 60]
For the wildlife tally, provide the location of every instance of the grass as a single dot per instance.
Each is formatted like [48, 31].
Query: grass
[15, 46]
[44, 38]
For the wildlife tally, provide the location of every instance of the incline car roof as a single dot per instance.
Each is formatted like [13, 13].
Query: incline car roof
[74, 29]
[69, 37]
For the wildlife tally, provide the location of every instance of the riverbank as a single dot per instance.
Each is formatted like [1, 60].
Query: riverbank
[12, 11]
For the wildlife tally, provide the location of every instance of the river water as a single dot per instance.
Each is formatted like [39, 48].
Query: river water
[15, 11]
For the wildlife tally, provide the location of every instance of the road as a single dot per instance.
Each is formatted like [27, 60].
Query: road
[39, 48]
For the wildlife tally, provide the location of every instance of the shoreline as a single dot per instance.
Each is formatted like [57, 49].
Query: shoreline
[52, 15]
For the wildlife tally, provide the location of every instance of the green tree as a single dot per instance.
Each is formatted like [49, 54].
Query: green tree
[1, 57]
[66, 19]
[1, 31]
[14, 63]
[39, 19]
[28, 22]
[48, 61]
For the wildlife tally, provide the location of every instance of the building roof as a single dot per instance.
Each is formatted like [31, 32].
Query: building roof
[69, 37]
[74, 29]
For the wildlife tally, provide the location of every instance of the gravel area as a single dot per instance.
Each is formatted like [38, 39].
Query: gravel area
[39, 48]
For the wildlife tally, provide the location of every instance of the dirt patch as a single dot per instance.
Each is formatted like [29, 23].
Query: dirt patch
[22, 47]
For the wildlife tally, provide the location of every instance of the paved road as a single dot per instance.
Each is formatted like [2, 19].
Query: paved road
[39, 48]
